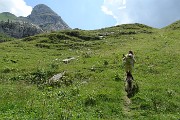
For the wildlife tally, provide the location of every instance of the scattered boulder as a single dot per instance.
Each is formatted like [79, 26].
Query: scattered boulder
[56, 78]
[66, 61]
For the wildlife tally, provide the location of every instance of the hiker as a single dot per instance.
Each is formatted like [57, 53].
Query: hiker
[128, 62]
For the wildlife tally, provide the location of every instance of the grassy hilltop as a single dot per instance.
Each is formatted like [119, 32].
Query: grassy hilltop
[93, 85]
[5, 16]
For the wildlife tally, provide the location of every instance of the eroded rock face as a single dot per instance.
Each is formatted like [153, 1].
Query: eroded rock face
[19, 29]
[46, 18]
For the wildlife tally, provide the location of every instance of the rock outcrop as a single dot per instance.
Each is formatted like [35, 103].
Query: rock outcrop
[19, 29]
[46, 18]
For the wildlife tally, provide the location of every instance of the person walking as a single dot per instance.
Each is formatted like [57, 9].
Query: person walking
[128, 62]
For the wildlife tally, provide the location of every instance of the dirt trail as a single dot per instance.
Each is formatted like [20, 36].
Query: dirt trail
[126, 109]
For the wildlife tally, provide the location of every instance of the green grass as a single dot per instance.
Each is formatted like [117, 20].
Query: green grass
[93, 86]
[5, 38]
[5, 16]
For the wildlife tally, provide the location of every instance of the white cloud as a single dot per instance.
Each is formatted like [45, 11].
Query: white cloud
[116, 8]
[150, 12]
[106, 10]
[16, 7]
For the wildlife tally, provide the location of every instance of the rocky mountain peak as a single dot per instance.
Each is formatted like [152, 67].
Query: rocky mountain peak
[42, 9]
[46, 18]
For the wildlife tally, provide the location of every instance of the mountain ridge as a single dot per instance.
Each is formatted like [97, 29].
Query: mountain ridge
[42, 19]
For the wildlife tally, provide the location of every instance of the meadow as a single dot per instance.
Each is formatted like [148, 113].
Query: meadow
[93, 85]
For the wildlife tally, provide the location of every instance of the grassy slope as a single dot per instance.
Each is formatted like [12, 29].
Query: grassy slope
[93, 87]
[5, 16]
[5, 38]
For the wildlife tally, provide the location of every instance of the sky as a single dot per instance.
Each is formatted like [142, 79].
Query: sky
[97, 14]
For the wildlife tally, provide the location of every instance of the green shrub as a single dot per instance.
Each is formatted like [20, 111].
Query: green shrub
[40, 76]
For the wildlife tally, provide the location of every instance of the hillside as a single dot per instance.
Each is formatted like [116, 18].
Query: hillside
[5, 16]
[92, 82]
[173, 26]
[5, 38]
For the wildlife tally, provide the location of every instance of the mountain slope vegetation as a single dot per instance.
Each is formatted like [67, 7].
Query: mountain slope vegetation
[5, 16]
[92, 86]
[173, 26]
